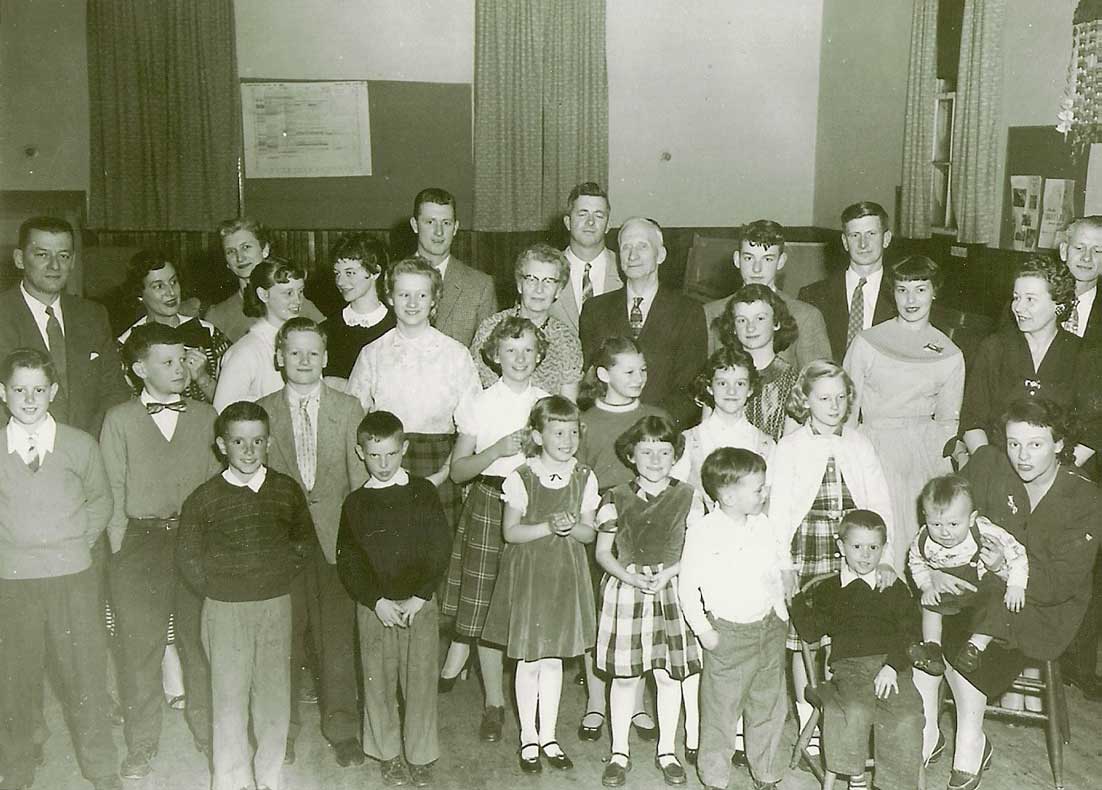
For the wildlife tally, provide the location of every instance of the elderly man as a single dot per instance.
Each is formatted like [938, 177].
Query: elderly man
[593, 266]
[668, 326]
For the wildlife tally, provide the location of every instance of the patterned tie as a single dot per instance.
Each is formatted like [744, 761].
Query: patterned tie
[1071, 323]
[856, 312]
[306, 446]
[32, 453]
[587, 283]
[635, 317]
[56, 338]
[157, 408]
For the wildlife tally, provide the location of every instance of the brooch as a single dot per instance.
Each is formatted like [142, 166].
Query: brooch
[1011, 504]
[1032, 387]
[934, 347]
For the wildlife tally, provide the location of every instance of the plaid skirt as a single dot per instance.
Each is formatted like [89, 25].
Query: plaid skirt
[476, 554]
[814, 550]
[427, 453]
[638, 631]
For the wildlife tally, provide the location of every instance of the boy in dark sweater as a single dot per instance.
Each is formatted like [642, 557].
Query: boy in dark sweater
[157, 448]
[244, 535]
[54, 504]
[871, 684]
[392, 552]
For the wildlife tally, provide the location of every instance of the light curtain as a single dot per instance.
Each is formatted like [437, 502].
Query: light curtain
[540, 108]
[917, 201]
[978, 106]
[165, 117]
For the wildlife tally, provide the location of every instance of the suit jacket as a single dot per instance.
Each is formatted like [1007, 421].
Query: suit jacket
[565, 307]
[339, 469]
[830, 297]
[674, 341]
[811, 343]
[1092, 335]
[467, 301]
[94, 371]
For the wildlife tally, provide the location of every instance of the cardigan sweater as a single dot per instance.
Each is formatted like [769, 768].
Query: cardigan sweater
[151, 476]
[239, 545]
[50, 518]
[394, 542]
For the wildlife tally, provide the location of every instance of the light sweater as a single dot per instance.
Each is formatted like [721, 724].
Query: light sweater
[50, 518]
[248, 368]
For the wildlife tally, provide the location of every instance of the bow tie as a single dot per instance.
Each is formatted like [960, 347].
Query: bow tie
[555, 476]
[157, 408]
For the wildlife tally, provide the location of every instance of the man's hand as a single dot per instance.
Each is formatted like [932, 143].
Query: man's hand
[992, 555]
[389, 613]
[885, 682]
[1014, 598]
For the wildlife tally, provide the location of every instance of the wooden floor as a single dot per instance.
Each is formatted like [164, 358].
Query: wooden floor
[1020, 761]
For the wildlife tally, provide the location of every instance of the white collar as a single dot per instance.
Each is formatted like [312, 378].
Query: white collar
[145, 397]
[852, 278]
[849, 575]
[552, 478]
[622, 408]
[366, 320]
[400, 478]
[442, 267]
[19, 437]
[254, 482]
[294, 397]
[652, 490]
[575, 262]
[647, 295]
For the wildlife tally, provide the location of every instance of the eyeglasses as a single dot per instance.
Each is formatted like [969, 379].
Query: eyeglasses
[532, 281]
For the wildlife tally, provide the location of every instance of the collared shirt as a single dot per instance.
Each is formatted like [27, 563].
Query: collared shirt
[248, 367]
[366, 320]
[1082, 307]
[38, 312]
[868, 295]
[19, 438]
[399, 478]
[849, 575]
[732, 571]
[166, 419]
[645, 305]
[442, 267]
[313, 402]
[597, 268]
[493, 413]
[254, 483]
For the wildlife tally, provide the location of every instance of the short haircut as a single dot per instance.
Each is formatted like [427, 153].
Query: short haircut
[940, 492]
[1093, 221]
[1055, 273]
[762, 233]
[271, 271]
[543, 253]
[28, 359]
[511, 327]
[253, 226]
[611, 347]
[379, 426]
[586, 189]
[654, 428]
[814, 371]
[138, 268]
[550, 409]
[437, 195]
[300, 323]
[726, 466]
[863, 519]
[143, 338]
[915, 268]
[1043, 413]
[725, 358]
[784, 336]
[364, 248]
[240, 411]
[651, 223]
[865, 208]
[44, 224]
[415, 265]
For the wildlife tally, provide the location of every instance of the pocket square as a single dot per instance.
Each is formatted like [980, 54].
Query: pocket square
[93, 356]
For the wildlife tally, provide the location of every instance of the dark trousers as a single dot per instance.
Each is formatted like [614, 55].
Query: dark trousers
[322, 612]
[851, 708]
[144, 592]
[64, 616]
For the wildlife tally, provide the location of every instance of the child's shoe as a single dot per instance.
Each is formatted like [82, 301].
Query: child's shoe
[421, 775]
[395, 773]
[927, 657]
[615, 773]
[968, 659]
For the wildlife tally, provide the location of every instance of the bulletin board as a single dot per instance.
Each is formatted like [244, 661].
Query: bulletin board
[421, 136]
[1039, 151]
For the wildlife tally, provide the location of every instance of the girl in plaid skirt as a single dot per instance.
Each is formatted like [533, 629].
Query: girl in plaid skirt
[819, 473]
[640, 626]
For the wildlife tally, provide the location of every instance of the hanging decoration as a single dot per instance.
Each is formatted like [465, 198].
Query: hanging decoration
[1080, 115]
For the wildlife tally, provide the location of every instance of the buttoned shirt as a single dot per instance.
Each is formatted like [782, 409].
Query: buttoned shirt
[38, 312]
[1082, 307]
[294, 403]
[19, 438]
[165, 419]
[597, 268]
[254, 483]
[868, 295]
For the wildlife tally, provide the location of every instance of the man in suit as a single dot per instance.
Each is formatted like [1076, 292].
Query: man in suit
[468, 296]
[73, 331]
[1082, 252]
[313, 440]
[593, 266]
[667, 325]
[759, 258]
[861, 296]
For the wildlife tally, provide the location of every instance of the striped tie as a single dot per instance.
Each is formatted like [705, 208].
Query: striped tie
[587, 283]
[635, 317]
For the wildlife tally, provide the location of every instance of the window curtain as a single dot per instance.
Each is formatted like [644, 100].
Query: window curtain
[540, 108]
[165, 114]
[917, 200]
[979, 101]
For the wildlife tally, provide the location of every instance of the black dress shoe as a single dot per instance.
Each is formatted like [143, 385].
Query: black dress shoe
[591, 733]
[939, 749]
[646, 733]
[690, 756]
[615, 774]
[560, 760]
[348, 752]
[493, 718]
[969, 657]
[533, 765]
[738, 759]
[673, 773]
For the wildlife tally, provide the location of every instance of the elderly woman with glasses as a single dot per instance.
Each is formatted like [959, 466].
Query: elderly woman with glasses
[541, 272]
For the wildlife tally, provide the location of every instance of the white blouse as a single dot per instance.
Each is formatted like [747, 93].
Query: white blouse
[516, 495]
[493, 413]
[248, 368]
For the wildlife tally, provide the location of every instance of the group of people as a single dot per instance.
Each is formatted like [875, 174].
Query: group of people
[676, 493]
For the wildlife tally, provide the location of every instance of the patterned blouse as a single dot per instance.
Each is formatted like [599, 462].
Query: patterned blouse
[196, 333]
[766, 408]
[561, 366]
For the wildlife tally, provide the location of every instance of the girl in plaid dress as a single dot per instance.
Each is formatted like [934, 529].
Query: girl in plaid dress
[640, 627]
[819, 473]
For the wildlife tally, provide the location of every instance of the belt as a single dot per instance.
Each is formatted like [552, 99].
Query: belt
[155, 524]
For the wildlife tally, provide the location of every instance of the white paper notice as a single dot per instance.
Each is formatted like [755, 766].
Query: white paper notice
[1093, 203]
[306, 129]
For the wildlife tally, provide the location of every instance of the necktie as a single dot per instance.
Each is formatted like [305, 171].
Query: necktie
[635, 317]
[1071, 323]
[306, 449]
[32, 453]
[587, 283]
[56, 338]
[856, 312]
[157, 408]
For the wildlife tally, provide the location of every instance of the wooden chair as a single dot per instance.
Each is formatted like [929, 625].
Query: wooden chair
[815, 694]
